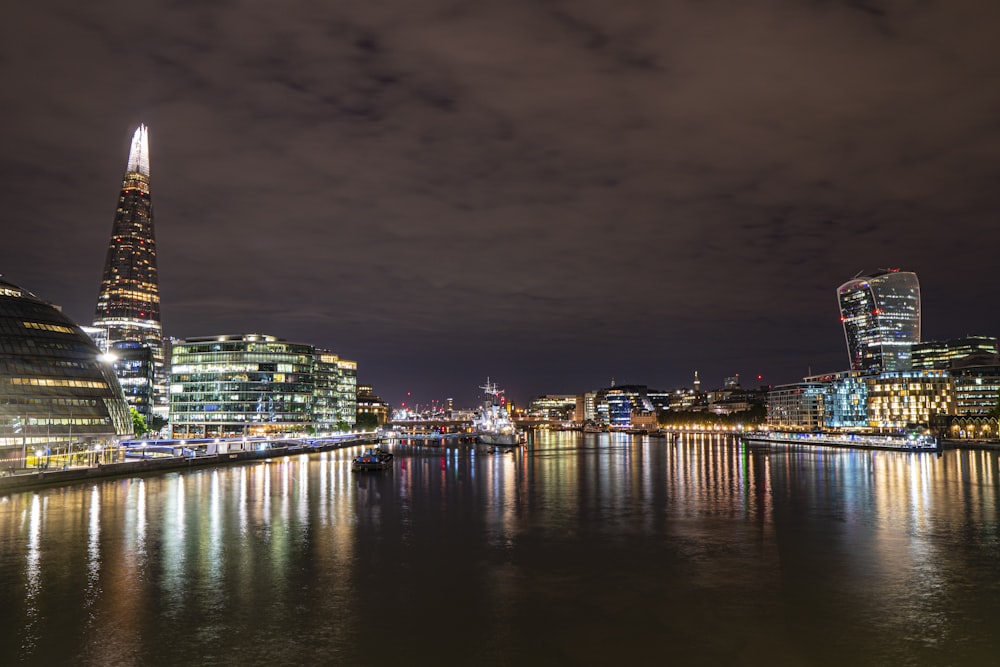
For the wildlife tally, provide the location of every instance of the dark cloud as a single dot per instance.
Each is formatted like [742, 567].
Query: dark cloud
[552, 193]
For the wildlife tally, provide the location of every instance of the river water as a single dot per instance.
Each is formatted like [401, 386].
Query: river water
[586, 549]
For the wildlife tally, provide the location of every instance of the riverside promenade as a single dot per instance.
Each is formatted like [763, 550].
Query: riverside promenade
[31, 478]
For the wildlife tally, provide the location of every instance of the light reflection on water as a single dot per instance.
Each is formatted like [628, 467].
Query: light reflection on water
[583, 548]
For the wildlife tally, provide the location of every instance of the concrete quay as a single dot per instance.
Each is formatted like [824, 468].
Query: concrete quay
[26, 480]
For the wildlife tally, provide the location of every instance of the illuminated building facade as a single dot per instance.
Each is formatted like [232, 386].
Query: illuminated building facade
[845, 399]
[881, 318]
[256, 384]
[797, 407]
[957, 351]
[335, 391]
[347, 390]
[128, 305]
[235, 385]
[615, 405]
[903, 399]
[369, 403]
[559, 407]
[133, 365]
[55, 390]
[977, 390]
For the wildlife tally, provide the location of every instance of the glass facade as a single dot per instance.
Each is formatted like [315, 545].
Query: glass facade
[559, 407]
[881, 318]
[134, 367]
[798, 406]
[128, 305]
[55, 390]
[257, 385]
[615, 405]
[236, 385]
[902, 400]
[957, 351]
[335, 392]
[977, 390]
[347, 390]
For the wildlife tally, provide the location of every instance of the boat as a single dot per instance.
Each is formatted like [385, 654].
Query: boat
[912, 441]
[374, 458]
[493, 426]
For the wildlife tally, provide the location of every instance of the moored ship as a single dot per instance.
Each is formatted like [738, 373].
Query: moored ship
[493, 425]
[910, 442]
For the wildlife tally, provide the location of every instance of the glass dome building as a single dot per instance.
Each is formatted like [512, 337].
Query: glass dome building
[56, 393]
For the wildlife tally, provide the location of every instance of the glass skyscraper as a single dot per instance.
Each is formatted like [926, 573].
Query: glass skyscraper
[881, 317]
[128, 305]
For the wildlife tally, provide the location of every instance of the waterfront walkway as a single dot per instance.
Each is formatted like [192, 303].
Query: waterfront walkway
[223, 451]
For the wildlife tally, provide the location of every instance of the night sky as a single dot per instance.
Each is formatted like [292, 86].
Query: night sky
[553, 194]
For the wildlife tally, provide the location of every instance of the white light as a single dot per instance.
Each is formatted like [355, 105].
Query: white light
[138, 155]
[107, 357]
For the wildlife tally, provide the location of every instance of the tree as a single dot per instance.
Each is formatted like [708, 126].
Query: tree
[156, 423]
[367, 421]
[138, 423]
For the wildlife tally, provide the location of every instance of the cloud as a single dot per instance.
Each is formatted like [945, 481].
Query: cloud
[552, 179]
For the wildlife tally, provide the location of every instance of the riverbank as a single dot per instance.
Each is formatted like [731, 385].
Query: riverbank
[28, 480]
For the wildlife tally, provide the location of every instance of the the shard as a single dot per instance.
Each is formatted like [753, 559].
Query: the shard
[128, 306]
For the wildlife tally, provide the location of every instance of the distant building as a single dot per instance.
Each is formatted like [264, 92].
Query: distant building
[881, 318]
[943, 354]
[799, 406]
[616, 404]
[128, 305]
[257, 384]
[55, 389]
[558, 407]
[586, 408]
[371, 403]
[977, 390]
[688, 400]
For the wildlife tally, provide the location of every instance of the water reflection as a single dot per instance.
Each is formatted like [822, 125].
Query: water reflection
[628, 541]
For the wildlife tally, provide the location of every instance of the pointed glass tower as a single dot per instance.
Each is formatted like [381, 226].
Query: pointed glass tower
[128, 306]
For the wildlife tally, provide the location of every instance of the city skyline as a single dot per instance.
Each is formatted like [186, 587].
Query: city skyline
[551, 196]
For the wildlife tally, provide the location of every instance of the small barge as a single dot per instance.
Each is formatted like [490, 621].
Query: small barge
[372, 459]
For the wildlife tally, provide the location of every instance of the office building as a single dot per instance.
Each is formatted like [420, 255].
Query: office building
[255, 384]
[943, 354]
[797, 407]
[128, 305]
[57, 392]
[240, 385]
[881, 318]
[370, 403]
[911, 398]
[556, 407]
[135, 369]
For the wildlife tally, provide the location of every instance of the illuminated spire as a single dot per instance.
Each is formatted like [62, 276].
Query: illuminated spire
[138, 156]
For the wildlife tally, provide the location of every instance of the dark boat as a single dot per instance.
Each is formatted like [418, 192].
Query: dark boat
[372, 459]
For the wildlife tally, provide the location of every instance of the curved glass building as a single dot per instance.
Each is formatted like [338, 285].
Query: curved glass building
[55, 391]
[881, 317]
